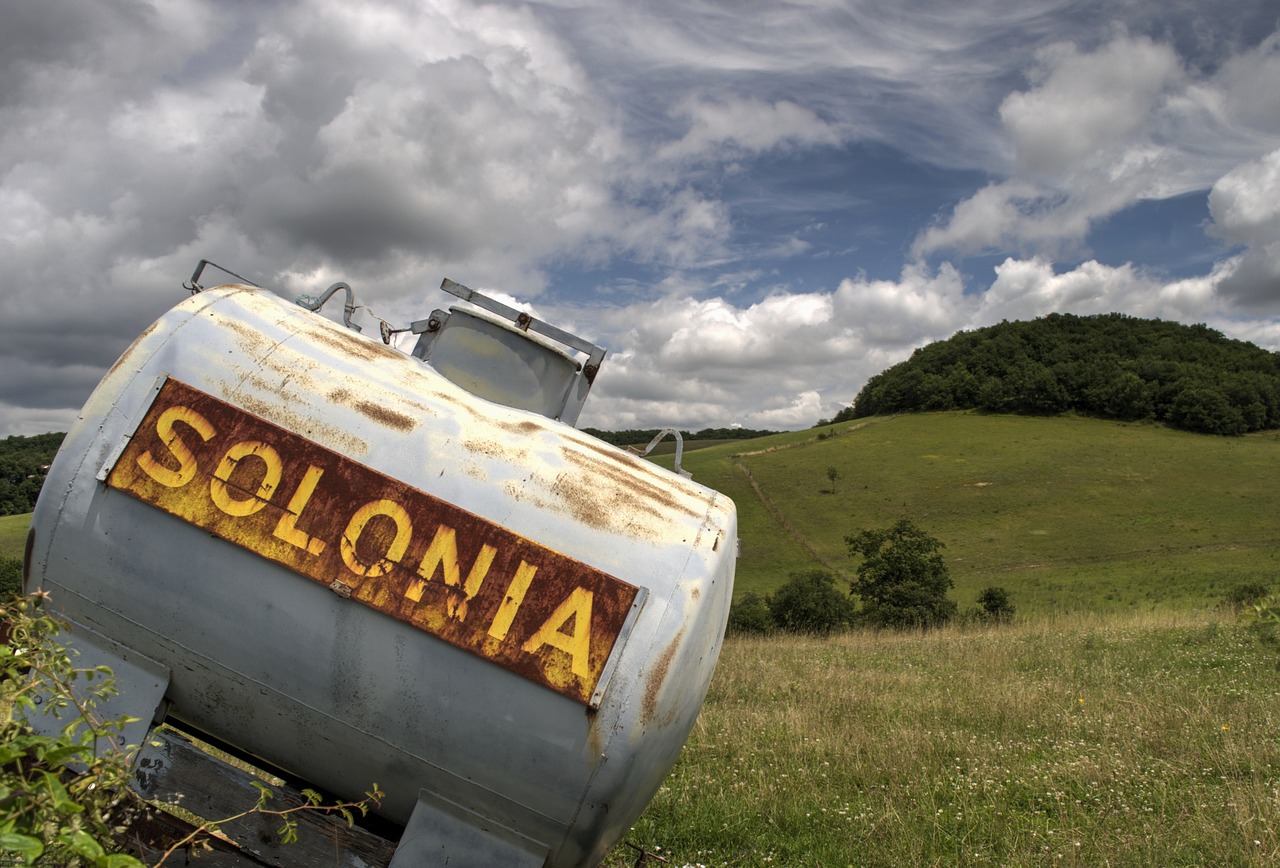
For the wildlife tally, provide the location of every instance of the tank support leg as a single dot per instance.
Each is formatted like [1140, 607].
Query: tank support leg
[140, 686]
[441, 832]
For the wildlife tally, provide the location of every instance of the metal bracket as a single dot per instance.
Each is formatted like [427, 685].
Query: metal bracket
[679, 449]
[193, 285]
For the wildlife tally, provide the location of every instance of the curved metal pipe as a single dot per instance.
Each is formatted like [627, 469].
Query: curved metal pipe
[312, 303]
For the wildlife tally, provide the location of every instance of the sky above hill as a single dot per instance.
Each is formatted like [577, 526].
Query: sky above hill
[754, 205]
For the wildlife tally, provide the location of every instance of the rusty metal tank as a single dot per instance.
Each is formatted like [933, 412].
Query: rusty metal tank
[317, 548]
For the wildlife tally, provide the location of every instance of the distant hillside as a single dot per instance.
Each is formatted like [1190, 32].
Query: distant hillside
[23, 462]
[1111, 366]
[1066, 513]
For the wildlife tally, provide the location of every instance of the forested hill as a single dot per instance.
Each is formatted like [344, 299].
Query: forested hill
[23, 462]
[1112, 366]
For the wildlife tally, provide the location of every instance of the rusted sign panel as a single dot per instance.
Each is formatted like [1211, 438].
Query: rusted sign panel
[367, 536]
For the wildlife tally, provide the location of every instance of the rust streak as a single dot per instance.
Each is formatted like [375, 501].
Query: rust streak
[385, 415]
[653, 686]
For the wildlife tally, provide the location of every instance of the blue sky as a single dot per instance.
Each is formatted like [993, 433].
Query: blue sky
[754, 206]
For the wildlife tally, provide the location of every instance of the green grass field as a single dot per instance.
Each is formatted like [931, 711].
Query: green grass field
[1125, 718]
[1130, 740]
[13, 534]
[1067, 514]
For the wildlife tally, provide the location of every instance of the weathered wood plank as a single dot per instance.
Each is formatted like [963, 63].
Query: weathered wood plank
[170, 768]
[150, 837]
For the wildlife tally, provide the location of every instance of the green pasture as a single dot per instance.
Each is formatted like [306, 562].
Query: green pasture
[1065, 513]
[1123, 739]
[13, 535]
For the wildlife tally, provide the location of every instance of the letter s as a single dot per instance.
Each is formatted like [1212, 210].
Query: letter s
[178, 449]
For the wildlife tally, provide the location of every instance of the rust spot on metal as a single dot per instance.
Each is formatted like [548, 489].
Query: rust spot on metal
[642, 488]
[276, 412]
[653, 686]
[386, 416]
[349, 344]
[494, 449]
[394, 548]
[523, 428]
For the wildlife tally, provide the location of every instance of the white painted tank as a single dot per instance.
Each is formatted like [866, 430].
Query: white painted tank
[316, 548]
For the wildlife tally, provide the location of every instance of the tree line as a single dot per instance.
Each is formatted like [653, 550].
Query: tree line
[23, 463]
[1110, 366]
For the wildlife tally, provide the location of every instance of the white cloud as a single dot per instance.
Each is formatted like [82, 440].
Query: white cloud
[1100, 131]
[745, 126]
[1245, 204]
[1087, 107]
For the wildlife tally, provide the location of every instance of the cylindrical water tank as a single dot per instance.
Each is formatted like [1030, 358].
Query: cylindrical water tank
[342, 563]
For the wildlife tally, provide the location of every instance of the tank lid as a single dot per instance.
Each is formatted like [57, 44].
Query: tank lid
[507, 356]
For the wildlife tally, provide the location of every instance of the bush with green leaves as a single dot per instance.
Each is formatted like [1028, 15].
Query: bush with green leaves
[997, 608]
[903, 579]
[810, 602]
[63, 797]
[10, 577]
[749, 615]
[1246, 595]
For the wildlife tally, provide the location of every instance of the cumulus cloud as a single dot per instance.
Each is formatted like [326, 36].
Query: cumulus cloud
[1245, 204]
[1099, 131]
[594, 156]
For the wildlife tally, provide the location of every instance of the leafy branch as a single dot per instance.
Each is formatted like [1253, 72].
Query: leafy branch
[65, 798]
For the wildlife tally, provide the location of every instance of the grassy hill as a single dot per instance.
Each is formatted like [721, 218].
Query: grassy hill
[1065, 513]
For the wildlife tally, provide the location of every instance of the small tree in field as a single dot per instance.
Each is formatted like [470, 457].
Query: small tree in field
[750, 615]
[810, 602]
[996, 605]
[902, 580]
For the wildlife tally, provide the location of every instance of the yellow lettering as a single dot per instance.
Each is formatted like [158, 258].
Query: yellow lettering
[177, 448]
[220, 491]
[287, 527]
[442, 554]
[578, 645]
[510, 604]
[404, 530]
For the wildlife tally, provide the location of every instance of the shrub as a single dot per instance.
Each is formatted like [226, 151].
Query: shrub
[902, 580]
[10, 577]
[1246, 595]
[750, 615]
[996, 605]
[810, 602]
[62, 797]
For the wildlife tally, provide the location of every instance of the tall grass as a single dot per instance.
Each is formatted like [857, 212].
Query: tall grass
[1147, 739]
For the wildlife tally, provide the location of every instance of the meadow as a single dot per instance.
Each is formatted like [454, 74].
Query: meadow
[1147, 739]
[1067, 514]
[1126, 716]
[13, 534]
